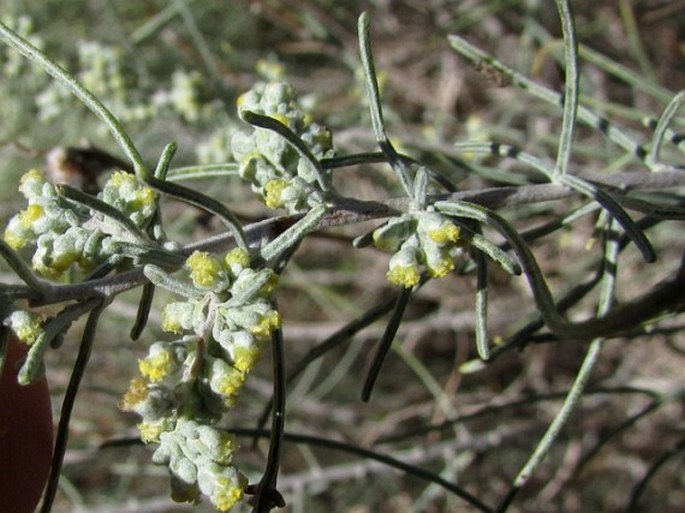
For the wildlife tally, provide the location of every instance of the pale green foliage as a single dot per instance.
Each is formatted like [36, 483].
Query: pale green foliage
[200, 461]
[223, 312]
[13, 65]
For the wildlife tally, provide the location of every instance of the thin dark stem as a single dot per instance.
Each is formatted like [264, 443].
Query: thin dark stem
[493, 409]
[68, 406]
[143, 312]
[503, 506]
[386, 342]
[639, 488]
[626, 424]
[336, 445]
[356, 159]
[371, 455]
[342, 335]
[267, 493]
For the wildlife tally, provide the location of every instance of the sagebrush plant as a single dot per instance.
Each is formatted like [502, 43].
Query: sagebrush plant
[87, 249]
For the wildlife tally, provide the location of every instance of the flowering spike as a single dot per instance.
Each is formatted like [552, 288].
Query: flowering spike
[219, 328]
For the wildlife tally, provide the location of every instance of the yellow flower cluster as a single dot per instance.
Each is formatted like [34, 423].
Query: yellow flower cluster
[57, 232]
[278, 173]
[132, 198]
[424, 238]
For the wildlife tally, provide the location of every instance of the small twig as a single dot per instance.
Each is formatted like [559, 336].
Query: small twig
[340, 336]
[639, 488]
[666, 297]
[376, 110]
[68, 405]
[665, 119]
[481, 312]
[611, 252]
[267, 493]
[143, 311]
[386, 341]
[570, 89]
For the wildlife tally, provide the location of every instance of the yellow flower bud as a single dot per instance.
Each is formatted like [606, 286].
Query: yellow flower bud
[16, 235]
[30, 180]
[121, 178]
[273, 191]
[441, 268]
[145, 197]
[204, 269]
[245, 358]
[14, 240]
[267, 324]
[226, 494]
[150, 431]
[29, 216]
[231, 383]
[27, 326]
[170, 323]
[137, 392]
[237, 256]
[406, 276]
[156, 366]
[448, 232]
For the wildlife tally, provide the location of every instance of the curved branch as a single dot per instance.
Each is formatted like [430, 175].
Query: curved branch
[345, 212]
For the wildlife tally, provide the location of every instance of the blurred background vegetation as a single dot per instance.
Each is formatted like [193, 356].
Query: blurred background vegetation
[172, 70]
